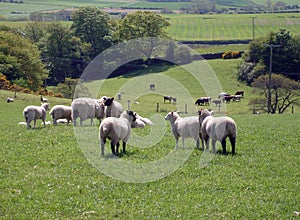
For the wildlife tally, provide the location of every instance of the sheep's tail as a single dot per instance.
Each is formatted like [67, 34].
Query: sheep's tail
[105, 130]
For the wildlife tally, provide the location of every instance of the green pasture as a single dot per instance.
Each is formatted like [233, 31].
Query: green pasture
[45, 173]
[229, 27]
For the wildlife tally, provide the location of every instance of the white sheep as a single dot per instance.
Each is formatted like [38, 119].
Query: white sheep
[188, 127]
[140, 121]
[218, 129]
[113, 108]
[87, 108]
[9, 100]
[32, 112]
[116, 129]
[61, 112]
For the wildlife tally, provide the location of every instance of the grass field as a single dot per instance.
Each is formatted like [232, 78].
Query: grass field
[45, 175]
[224, 27]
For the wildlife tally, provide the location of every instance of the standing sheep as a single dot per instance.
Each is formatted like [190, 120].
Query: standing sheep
[184, 127]
[61, 112]
[116, 129]
[32, 112]
[113, 108]
[218, 129]
[87, 108]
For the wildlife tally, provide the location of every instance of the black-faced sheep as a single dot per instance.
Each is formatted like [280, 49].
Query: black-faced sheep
[61, 112]
[32, 112]
[113, 108]
[184, 127]
[218, 129]
[116, 129]
[87, 108]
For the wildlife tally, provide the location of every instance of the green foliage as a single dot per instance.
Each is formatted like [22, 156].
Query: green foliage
[20, 59]
[142, 24]
[285, 56]
[91, 25]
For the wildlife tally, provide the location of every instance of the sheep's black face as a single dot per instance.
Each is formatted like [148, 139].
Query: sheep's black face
[108, 101]
[132, 114]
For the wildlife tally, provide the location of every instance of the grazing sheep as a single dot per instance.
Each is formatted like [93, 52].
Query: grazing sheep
[32, 112]
[140, 121]
[218, 129]
[170, 99]
[61, 112]
[184, 127]
[113, 108]
[87, 108]
[203, 101]
[240, 92]
[217, 102]
[116, 129]
[9, 100]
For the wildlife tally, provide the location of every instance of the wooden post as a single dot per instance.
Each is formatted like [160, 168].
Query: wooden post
[128, 104]
[157, 107]
[292, 109]
[185, 109]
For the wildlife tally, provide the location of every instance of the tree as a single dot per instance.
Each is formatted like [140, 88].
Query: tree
[64, 54]
[91, 25]
[145, 25]
[284, 92]
[20, 61]
[285, 59]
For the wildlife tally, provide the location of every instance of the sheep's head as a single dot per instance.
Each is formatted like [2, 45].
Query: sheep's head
[108, 101]
[132, 115]
[46, 106]
[203, 113]
[171, 116]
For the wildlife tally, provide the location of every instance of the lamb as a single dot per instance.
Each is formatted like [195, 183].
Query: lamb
[87, 108]
[217, 128]
[184, 127]
[9, 100]
[113, 108]
[116, 129]
[61, 112]
[32, 112]
[140, 121]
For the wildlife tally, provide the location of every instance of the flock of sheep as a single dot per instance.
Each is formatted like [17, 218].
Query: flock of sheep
[116, 124]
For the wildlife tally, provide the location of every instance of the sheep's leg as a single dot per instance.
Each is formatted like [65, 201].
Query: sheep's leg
[183, 143]
[117, 147]
[213, 143]
[176, 143]
[112, 147]
[223, 142]
[34, 123]
[124, 146]
[91, 122]
[197, 143]
[232, 141]
[44, 123]
[102, 145]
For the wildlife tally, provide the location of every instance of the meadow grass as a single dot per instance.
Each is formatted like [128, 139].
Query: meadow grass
[45, 175]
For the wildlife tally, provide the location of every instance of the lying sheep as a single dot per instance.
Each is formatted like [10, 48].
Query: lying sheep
[116, 129]
[9, 100]
[217, 128]
[184, 127]
[113, 108]
[87, 108]
[32, 112]
[61, 112]
[140, 121]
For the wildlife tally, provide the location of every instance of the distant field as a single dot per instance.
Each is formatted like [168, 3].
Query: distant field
[224, 27]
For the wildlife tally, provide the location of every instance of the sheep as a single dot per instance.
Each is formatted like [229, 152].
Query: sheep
[61, 112]
[116, 129]
[140, 121]
[9, 100]
[43, 99]
[87, 108]
[184, 127]
[32, 112]
[113, 108]
[217, 128]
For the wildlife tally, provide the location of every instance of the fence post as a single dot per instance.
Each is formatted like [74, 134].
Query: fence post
[157, 107]
[185, 109]
[292, 109]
